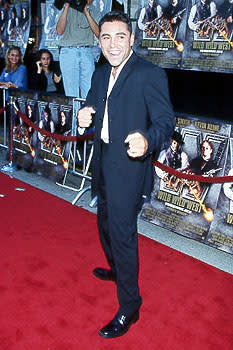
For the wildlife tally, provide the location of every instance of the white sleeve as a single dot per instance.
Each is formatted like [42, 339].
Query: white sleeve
[40, 136]
[213, 9]
[159, 11]
[52, 127]
[46, 29]
[184, 161]
[192, 15]
[141, 25]
[159, 172]
[8, 27]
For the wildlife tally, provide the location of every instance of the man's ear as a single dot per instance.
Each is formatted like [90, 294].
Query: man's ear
[132, 37]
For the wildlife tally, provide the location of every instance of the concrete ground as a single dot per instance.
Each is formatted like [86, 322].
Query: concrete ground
[200, 251]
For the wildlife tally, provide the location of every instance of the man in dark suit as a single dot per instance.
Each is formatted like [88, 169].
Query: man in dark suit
[129, 105]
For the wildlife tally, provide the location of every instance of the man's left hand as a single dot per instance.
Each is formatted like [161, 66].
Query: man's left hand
[138, 145]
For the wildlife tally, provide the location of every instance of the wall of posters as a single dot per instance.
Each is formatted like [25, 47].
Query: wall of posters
[190, 208]
[160, 31]
[208, 44]
[33, 150]
[14, 24]
[186, 34]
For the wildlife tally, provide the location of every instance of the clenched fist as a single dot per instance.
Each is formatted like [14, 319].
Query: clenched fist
[85, 117]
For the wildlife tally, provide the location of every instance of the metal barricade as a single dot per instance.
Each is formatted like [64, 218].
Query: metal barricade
[75, 153]
[3, 138]
[83, 156]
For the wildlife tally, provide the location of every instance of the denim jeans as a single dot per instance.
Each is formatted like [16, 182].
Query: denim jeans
[77, 66]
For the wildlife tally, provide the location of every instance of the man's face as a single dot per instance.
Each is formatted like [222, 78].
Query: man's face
[151, 3]
[115, 42]
[206, 150]
[174, 145]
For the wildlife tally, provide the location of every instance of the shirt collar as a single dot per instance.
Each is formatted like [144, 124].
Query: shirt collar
[120, 67]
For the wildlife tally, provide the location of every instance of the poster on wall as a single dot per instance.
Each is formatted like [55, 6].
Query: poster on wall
[209, 41]
[35, 151]
[15, 24]
[160, 31]
[188, 207]
[50, 39]
[3, 26]
[221, 230]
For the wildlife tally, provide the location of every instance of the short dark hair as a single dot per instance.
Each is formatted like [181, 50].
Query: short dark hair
[48, 111]
[114, 16]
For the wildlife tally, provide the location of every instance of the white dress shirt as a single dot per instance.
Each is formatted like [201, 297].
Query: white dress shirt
[112, 80]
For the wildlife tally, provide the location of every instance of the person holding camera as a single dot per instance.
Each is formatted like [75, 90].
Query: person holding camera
[78, 27]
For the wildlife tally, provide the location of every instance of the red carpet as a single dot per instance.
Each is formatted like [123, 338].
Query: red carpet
[49, 299]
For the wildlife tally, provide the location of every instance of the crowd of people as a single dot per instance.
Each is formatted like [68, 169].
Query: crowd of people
[44, 76]
[77, 30]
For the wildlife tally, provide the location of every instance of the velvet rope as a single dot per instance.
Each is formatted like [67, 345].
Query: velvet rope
[171, 171]
[2, 110]
[54, 135]
[192, 177]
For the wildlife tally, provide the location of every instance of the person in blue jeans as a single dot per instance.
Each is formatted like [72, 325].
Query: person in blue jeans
[78, 31]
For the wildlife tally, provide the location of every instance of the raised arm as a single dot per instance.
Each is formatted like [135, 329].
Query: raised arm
[61, 24]
[92, 23]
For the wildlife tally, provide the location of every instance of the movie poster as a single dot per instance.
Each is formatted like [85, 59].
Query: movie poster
[16, 27]
[38, 152]
[186, 207]
[208, 44]
[160, 31]
[50, 39]
[3, 27]
[221, 229]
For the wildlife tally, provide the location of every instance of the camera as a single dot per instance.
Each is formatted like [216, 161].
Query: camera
[75, 4]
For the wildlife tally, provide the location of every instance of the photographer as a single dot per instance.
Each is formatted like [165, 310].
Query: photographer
[77, 26]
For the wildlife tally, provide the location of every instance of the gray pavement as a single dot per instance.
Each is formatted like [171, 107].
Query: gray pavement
[200, 251]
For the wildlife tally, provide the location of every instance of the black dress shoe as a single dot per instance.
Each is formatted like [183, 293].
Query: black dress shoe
[104, 274]
[118, 326]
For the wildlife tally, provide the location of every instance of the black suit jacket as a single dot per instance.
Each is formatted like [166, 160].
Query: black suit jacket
[139, 101]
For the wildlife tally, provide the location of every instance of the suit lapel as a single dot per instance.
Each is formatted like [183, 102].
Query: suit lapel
[106, 77]
[126, 70]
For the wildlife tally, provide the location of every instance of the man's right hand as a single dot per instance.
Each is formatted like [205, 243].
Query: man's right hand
[85, 117]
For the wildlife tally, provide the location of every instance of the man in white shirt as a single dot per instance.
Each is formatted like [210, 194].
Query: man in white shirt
[149, 13]
[200, 12]
[129, 105]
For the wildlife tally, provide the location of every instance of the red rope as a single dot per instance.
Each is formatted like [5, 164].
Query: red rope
[2, 110]
[171, 171]
[54, 135]
[192, 177]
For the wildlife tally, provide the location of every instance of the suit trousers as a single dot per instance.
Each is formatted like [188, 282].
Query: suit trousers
[117, 225]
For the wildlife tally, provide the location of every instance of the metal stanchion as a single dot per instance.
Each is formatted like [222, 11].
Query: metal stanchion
[4, 116]
[10, 167]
